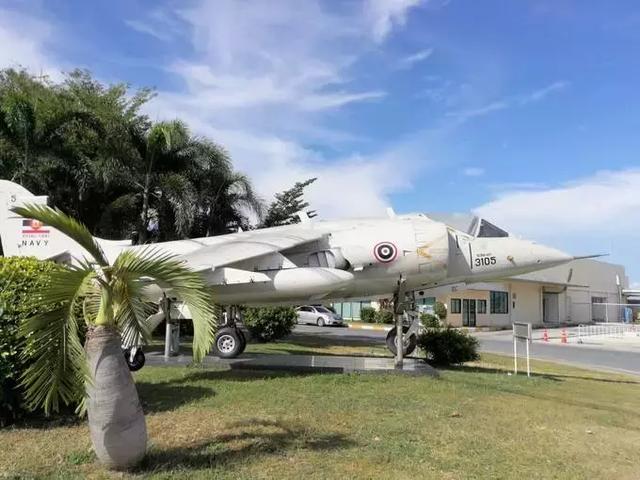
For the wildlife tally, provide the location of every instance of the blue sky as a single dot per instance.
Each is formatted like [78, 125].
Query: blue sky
[526, 112]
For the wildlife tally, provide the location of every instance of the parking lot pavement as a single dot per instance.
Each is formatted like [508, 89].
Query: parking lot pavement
[597, 354]
[600, 355]
[342, 335]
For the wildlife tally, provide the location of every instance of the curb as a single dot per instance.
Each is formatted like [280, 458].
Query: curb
[378, 328]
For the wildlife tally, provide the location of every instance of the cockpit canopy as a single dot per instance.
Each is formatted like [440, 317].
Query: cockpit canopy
[470, 224]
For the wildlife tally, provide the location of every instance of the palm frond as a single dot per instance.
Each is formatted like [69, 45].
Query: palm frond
[73, 229]
[58, 370]
[131, 311]
[189, 286]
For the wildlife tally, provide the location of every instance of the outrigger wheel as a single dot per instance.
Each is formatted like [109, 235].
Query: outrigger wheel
[230, 342]
[410, 341]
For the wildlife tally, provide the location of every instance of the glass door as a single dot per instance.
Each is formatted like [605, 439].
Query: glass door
[468, 313]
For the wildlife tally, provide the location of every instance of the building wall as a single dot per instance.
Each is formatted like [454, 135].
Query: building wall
[572, 286]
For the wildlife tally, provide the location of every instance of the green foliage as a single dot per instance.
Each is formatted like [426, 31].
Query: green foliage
[99, 294]
[368, 314]
[270, 323]
[88, 146]
[440, 310]
[448, 346]
[21, 280]
[384, 316]
[287, 204]
[429, 321]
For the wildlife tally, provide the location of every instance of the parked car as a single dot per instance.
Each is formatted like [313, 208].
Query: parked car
[318, 315]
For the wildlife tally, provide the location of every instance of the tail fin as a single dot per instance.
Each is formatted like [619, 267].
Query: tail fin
[25, 237]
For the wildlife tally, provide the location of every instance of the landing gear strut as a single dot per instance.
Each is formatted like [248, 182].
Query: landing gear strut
[230, 341]
[403, 338]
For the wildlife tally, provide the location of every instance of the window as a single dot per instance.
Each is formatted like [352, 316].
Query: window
[499, 302]
[482, 306]
[322, 310]
[489, 230]
[305, 309]
[598, 299]
[456, 305]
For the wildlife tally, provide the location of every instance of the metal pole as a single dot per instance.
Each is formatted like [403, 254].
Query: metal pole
[528, 366]
[398, 310]
[399, 341]
[167, 334]
[515, 355]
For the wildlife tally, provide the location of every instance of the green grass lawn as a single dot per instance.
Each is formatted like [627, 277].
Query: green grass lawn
[473, 422]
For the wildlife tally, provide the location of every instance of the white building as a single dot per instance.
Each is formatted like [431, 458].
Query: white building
[568, 294]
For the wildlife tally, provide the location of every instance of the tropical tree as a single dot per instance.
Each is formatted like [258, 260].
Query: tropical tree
[109, 298]
[287, 204]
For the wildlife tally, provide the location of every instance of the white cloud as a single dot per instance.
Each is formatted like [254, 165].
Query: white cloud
[383, 15]
[410, 60]
[596, 214]
[605, 203]
[147, 29]
[542, 93]
[22, 43]
[266, 81]
[473, 171]
[505, 103]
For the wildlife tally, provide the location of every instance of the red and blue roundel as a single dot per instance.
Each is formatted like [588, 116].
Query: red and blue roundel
[385, 252]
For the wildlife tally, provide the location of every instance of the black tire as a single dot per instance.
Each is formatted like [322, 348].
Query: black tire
[409, 343]
[138, 359]
[320, 322]
[228, 344]
[243, 340]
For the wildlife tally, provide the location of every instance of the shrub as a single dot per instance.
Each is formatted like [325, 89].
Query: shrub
[429, 321]
[368, 314]
[21, 280]
[384, 316]
[448, 346]
[267, 324]
[440, 310]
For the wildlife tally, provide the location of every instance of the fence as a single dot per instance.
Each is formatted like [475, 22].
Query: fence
[607, 330]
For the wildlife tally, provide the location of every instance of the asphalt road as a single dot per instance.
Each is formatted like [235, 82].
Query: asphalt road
[600, 358]
[597, 357]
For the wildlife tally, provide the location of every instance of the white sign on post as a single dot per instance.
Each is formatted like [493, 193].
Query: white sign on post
[521, 331]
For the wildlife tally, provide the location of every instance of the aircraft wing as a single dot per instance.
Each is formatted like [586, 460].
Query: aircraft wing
[248, 245]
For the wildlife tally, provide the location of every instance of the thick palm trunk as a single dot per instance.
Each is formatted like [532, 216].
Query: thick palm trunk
[116, 421]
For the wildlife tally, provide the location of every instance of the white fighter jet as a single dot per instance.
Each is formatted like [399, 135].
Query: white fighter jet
[312, 261]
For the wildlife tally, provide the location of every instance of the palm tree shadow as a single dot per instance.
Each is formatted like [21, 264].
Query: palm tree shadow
[244, 441]
[161, 397]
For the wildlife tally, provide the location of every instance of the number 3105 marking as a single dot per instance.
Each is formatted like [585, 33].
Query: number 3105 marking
[485, 261]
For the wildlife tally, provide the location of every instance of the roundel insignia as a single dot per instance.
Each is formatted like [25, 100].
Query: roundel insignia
[385, 252]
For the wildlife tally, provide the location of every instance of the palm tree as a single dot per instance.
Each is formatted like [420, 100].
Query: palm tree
[226, 198]
[163, 150]
[109, 299]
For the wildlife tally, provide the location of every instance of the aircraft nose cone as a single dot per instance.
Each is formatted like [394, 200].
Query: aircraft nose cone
[546, 256]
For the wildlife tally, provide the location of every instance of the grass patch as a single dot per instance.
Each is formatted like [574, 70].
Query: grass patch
[474, 422]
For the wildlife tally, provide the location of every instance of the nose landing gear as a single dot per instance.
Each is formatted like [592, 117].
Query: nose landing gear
[407, 324]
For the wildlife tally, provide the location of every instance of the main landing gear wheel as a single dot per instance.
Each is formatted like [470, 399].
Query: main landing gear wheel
[230, 343]
[320, 322]
[410, 341]
[135, 363]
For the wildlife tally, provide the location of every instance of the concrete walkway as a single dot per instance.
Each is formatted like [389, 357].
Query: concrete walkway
[301, 363]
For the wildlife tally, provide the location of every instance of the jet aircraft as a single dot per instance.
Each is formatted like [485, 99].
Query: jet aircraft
[311, 261]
